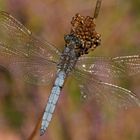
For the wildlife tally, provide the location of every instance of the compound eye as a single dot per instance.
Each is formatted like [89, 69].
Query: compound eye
[67, 38]
[78, 42]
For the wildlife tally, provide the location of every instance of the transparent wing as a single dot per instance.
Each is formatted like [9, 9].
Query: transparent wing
[35, 71]
[109, 68]
[130, 63]
[105, 93]
[23, 49]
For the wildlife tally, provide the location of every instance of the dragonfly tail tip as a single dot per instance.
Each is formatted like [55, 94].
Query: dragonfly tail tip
[42, 131]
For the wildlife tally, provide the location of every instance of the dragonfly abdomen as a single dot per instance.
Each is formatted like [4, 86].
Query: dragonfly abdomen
[53, 98]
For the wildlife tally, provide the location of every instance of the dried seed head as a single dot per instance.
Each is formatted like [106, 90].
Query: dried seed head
[84, 29]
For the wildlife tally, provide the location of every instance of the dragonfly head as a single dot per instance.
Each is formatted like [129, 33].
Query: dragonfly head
[84, 29]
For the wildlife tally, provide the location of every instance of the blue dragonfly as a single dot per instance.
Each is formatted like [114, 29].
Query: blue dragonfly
[40, 62]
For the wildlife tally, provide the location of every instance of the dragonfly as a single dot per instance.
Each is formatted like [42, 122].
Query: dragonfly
[40, 62]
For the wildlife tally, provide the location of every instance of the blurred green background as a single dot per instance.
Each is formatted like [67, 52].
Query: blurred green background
[21, 104]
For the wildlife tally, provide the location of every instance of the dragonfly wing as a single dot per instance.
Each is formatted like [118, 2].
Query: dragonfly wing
[132, 63]
[117, 67]
[18, 45]
[40, 72]
[105, 93]
[15, 39]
